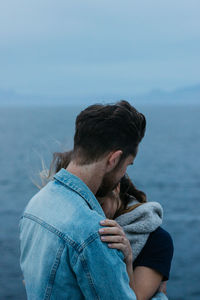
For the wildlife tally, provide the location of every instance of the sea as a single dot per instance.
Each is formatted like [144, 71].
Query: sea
[167, 169]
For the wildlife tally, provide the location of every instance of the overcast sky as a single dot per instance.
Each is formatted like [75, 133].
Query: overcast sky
[98, 47]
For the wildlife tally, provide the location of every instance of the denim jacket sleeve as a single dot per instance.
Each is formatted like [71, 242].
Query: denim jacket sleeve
[101, 273]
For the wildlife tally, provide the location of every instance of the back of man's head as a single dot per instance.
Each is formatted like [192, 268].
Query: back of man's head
[101, 129]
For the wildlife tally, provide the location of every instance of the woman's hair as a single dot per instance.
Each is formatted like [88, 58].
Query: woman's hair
[127, 192]
[127, 189]
[60, 160]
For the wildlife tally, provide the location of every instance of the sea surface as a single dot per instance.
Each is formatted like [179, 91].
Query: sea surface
[167, 169]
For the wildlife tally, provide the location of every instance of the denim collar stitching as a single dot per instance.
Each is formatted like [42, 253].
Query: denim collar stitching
[77, 185]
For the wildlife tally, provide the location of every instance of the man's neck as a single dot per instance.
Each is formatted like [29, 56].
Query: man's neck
[91, 174]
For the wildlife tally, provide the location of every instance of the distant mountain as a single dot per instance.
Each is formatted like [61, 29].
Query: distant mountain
[184, 96]
[187, 95]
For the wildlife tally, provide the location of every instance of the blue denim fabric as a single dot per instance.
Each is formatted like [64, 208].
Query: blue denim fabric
[62, 256]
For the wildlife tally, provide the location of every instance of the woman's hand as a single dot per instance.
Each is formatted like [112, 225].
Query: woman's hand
[115, 236]
[163, 287]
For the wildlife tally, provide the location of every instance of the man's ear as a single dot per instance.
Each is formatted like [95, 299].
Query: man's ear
[113, 159]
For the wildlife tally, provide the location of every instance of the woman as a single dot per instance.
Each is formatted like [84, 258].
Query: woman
[139, 237]
[138, 233]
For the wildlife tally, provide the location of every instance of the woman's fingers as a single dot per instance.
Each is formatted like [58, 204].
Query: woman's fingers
[114, 227]
[115, 236]
[112, 231]
[108, 222]
[117, 246]
[126, 250]
[163, 287]
[114, 239]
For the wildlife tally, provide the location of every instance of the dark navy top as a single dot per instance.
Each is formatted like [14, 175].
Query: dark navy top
[157, 253]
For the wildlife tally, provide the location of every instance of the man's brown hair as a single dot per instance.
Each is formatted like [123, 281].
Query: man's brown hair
[104, 128]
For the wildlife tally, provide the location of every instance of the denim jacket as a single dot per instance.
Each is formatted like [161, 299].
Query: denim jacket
[62, 255]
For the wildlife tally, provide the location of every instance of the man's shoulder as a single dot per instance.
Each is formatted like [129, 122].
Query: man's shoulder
[64, 210]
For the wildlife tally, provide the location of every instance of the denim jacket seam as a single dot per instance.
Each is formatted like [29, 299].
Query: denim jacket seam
[88, 241]
[76, 190]
[52, 276]
[82, 246]
[52, 229]
[78, 247]
[89, 277]
[69, 184]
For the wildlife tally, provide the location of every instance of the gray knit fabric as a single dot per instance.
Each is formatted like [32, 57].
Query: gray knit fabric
[140, 222]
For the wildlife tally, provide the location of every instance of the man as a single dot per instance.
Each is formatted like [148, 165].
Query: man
[62, 256]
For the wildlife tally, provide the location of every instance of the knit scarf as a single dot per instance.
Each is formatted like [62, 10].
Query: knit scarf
[140, 222]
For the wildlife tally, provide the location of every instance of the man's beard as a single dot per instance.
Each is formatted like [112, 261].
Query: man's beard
[107, 185]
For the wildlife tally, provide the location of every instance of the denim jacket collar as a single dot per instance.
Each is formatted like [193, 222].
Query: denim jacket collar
[77, 185]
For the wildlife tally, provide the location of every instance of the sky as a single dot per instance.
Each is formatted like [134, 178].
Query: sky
[98, 47]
